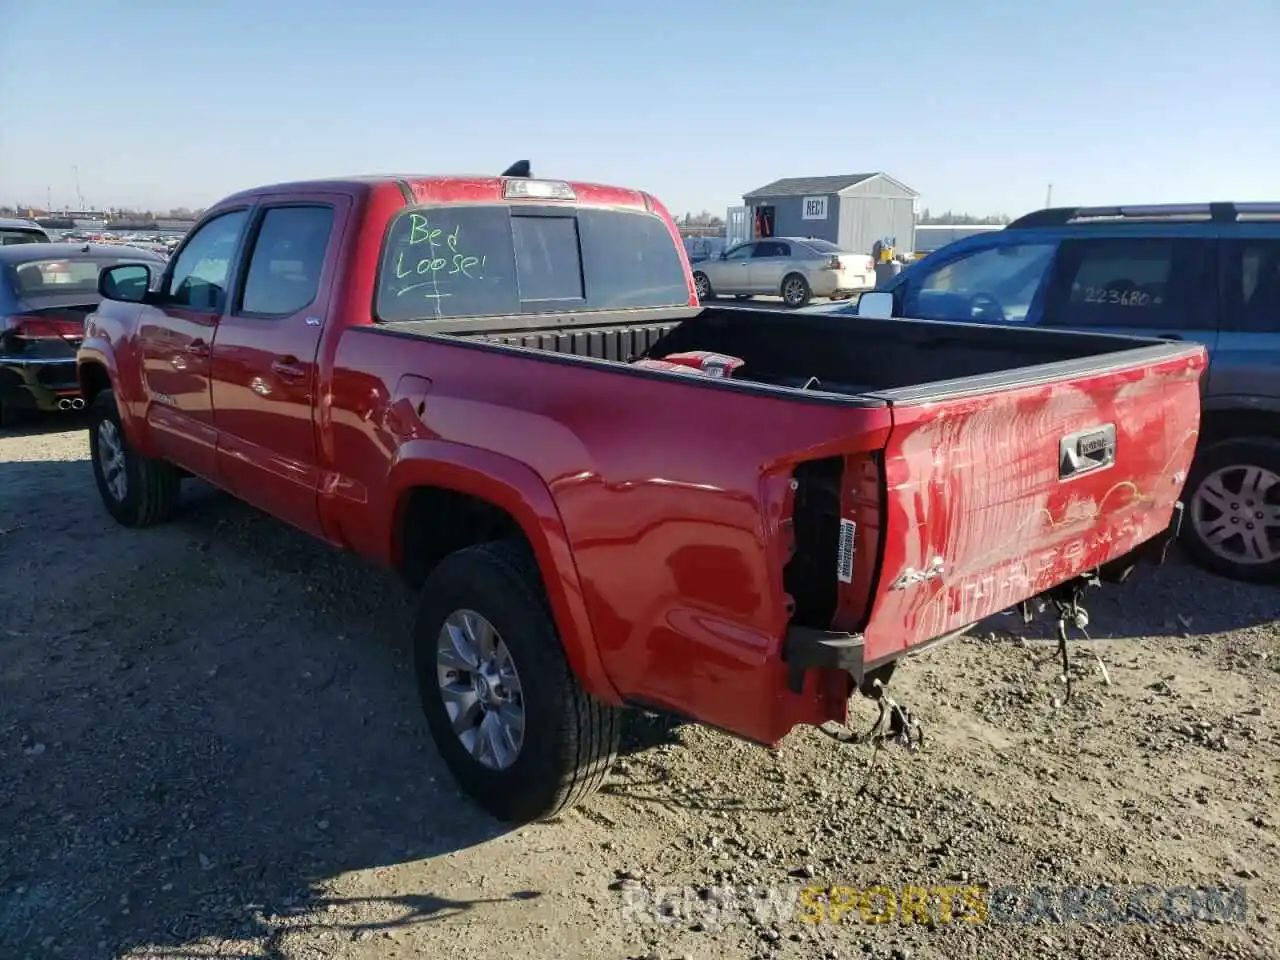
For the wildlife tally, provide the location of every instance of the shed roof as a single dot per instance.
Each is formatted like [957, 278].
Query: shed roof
[808, 186]
[818, 186]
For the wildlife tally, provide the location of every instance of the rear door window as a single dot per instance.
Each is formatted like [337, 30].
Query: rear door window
[771, 248]
[288, 255]
[459, 261]
[1158, 283]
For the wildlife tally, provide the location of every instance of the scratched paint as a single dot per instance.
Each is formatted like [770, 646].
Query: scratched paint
[975, 495]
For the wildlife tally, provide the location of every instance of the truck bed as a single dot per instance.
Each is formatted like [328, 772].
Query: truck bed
[889, 361]
[888, 482]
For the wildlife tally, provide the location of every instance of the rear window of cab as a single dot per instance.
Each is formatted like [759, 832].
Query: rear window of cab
[456, 261]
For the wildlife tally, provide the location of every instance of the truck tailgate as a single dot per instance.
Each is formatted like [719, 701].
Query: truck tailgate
[996, 492]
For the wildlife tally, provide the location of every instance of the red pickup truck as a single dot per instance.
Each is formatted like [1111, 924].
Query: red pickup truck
[608, 495]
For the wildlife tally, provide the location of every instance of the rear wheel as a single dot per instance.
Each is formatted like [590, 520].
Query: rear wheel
[136, 490]
[795, 290]
[1233, 497]
[509, 717]
[702, 285]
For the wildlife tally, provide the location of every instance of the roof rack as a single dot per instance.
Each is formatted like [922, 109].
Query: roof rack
[1225, 212]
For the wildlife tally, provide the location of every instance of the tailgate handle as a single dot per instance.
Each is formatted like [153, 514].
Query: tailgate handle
[1086, 450]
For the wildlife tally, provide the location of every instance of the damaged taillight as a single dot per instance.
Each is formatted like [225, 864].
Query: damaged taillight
[858, 553]
[829, 536]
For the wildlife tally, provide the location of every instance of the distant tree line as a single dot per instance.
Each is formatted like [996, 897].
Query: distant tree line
[120, 213]
[708, 220]
[927, 216]
[703, 219]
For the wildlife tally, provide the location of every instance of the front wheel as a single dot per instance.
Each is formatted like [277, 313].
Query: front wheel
[136, 490]
[795, 290]
[1233, 496]
[702, 286]
[514, 726]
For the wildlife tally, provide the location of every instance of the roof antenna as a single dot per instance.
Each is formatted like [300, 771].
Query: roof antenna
[518, 169]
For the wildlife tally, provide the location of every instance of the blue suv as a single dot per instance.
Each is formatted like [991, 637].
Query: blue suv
[1203, 272]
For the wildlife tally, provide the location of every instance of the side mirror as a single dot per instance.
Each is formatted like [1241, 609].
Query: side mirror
[876, 305]
[126, 282]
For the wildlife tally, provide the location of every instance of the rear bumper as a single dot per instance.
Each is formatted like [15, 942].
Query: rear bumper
[808, 649]
[831, 284]
[39, 383]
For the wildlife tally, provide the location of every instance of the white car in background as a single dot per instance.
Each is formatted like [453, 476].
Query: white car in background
[796, 268]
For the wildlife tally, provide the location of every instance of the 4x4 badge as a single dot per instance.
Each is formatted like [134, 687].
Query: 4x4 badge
[910, 577]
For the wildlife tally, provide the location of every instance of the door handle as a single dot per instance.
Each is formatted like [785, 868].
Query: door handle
[288, 368]
[198, 348]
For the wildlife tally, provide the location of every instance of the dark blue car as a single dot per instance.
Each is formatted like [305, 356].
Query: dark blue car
[1203, 272]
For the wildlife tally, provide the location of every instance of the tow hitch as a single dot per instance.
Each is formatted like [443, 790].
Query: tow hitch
[1071, 613]
[894, 724]
[1067, 598]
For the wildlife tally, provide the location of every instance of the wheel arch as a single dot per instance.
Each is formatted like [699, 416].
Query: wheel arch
[96, 371]
[1236, 420]
[430, 479]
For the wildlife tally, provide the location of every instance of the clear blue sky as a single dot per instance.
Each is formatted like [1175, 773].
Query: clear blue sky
[978, 106]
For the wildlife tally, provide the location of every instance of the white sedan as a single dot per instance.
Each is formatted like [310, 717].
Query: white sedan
[797, 268]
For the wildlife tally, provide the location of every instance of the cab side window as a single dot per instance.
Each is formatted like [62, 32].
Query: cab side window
[996, 285]
[202, 270]
[741, 253]
[287, 258]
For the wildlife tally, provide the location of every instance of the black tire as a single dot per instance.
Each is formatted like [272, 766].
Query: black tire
[1222, 465]
[151, 486]
[701, 282]
[570, 738]
[795, 291]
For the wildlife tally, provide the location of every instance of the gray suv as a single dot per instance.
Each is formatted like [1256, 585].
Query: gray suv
[1202, 272]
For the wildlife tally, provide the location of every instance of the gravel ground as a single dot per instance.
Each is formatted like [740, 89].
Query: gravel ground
[210, 745]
